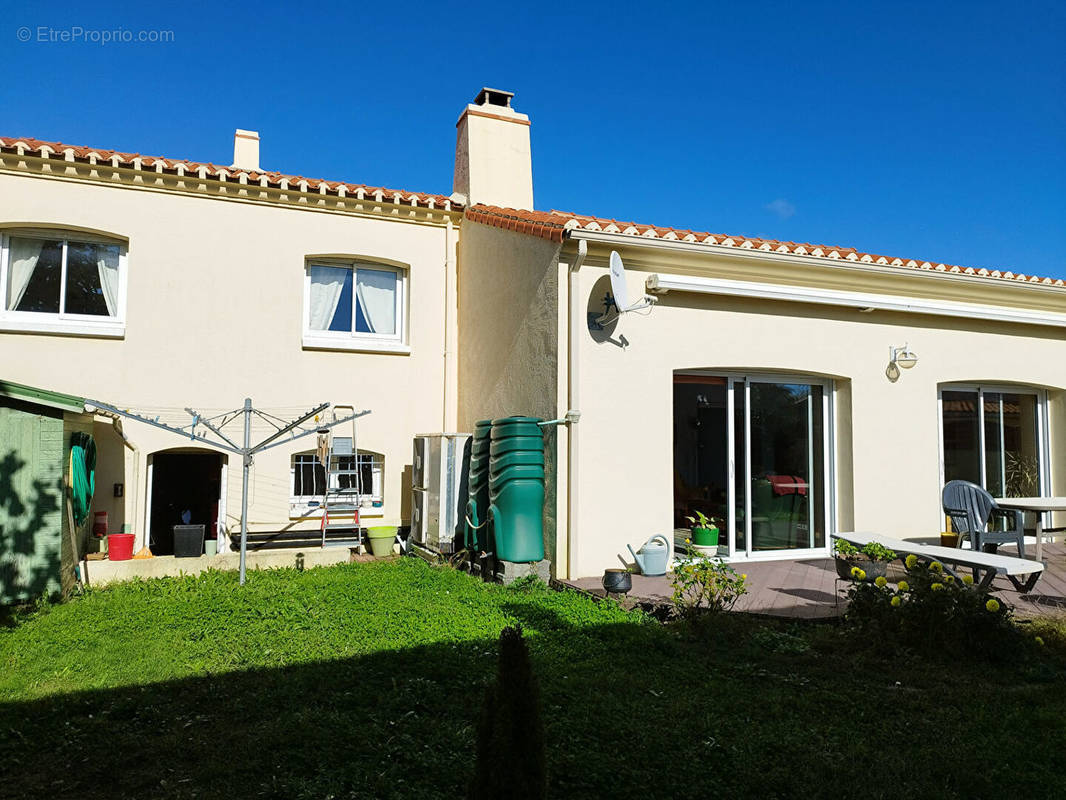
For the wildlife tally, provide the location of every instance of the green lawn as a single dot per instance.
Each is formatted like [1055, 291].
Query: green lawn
[366, 681]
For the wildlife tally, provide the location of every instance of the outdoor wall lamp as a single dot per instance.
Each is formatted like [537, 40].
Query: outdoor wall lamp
[902, 357]
[899, 358]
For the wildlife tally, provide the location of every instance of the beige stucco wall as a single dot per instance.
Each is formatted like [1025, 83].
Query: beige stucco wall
[509, 336]
[887, 434]
[214, 315]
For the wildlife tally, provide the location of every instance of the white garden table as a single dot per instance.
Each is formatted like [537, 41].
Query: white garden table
[1038, 505]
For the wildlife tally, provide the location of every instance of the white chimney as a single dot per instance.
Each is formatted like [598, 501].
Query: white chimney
[492, 157]
[246, 150]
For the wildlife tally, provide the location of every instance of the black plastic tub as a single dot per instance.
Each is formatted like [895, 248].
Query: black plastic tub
[188, 541]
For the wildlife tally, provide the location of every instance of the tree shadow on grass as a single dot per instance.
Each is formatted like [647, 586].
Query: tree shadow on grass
[631, 708]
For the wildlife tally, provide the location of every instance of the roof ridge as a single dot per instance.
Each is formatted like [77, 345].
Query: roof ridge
[272, 178]
[554, 224]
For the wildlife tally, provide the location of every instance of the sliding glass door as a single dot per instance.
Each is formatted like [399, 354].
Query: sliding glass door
[753, 451]
[994, 437]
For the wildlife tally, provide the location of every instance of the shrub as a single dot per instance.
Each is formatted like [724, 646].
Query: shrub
[705, 584]
[934, 612]
[873, 551]
[511, 760]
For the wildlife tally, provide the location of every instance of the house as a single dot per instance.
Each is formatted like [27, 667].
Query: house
[788, 389]
[159, 284]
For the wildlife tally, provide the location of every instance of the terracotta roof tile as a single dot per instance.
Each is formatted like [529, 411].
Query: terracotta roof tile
[553, 225]
[82, 153]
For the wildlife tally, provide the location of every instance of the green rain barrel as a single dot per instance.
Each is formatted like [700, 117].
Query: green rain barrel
[516, 489]
[477, 507]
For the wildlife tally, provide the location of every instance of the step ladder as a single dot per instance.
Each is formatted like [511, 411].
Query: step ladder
[343, 495]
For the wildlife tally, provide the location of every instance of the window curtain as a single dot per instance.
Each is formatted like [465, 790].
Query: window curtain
[24, 255]
[327, 284]
[107, 266]
[377, 299]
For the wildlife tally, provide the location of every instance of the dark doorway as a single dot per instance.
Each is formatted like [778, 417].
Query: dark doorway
[183, 482]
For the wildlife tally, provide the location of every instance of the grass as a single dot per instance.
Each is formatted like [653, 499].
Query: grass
[366, 681]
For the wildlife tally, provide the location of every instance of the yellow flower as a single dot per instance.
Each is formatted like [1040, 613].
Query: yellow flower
[743, 576]
[992, 605]
[903, 586]
[936, 567]
[688, 541]
[858, 574]
[911, 561]
[937, 587]
[880, 582]
[968, 580]
[895, 601]
[949, 579]
[1038, 640]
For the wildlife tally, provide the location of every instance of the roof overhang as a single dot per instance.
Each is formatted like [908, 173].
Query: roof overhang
[696, 249]
[863, 301]
[42, 397]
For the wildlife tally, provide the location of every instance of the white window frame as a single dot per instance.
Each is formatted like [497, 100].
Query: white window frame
[304, 506]
[741, 382]
[357, 340]
[1042, 439]
[62, 323]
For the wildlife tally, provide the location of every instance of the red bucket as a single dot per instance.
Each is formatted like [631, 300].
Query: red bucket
[120, 546]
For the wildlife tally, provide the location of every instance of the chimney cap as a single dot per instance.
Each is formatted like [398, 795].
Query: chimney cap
[493, 97]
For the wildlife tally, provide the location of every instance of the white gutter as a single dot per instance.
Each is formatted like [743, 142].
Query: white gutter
[660, 284]
[620, 240]
[574, 404]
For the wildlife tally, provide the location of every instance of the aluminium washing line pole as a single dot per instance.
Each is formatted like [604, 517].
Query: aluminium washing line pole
[247, 463]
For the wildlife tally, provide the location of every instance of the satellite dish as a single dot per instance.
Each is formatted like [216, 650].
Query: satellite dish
[618, 282]
[621, 293]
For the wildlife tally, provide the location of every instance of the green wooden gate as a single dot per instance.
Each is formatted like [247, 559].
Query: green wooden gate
[32, 452]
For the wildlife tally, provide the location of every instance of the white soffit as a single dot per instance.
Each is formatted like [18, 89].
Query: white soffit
[660, 284]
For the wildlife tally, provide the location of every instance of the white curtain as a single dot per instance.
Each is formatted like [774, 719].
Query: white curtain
[107, 265]
[24, 255]
[327, 284]
[377, 299]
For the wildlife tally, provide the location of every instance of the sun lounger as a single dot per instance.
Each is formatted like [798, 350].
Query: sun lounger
[1021, 572]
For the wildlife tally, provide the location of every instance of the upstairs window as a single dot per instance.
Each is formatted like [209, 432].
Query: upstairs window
[50, 282]
[353, 304]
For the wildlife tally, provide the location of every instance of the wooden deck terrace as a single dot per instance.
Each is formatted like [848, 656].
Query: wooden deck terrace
[811, 589]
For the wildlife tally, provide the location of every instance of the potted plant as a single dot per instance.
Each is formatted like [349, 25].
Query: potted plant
[704, 530]
[871, 561]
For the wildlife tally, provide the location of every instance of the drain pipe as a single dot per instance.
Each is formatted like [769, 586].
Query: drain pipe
[116, 425]
[575, 406]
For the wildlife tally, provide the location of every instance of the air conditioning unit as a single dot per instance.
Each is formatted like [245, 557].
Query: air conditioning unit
[438, 487]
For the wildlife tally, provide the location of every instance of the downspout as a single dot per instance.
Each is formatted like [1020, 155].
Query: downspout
[451, 318]
[116, 425]
[574, 405]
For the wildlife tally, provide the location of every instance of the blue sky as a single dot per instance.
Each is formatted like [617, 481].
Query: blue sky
[925, 130]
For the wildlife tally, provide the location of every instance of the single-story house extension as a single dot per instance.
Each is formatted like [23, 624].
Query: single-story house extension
[789, 390]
